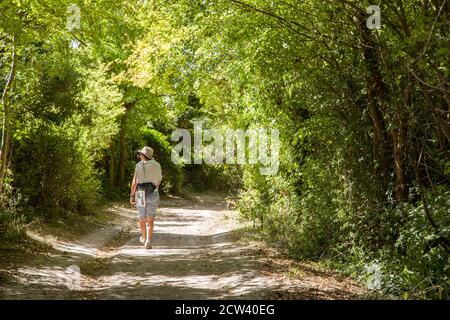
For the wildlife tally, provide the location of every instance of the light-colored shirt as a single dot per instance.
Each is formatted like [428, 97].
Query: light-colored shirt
[148, 171]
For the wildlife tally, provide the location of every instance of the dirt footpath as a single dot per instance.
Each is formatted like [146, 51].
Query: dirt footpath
[198, 252]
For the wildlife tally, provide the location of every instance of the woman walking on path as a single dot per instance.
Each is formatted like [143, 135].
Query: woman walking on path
[144, 193]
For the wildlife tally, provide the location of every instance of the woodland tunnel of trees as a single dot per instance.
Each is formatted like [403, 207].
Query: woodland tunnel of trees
[362, 113]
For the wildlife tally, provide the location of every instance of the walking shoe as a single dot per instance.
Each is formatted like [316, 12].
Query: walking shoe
[141, 240]
[148, 244]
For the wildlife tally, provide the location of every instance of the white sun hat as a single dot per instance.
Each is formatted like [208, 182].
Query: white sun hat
[147, 151]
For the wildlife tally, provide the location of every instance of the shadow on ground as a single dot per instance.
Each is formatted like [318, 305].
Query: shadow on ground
[197, 254]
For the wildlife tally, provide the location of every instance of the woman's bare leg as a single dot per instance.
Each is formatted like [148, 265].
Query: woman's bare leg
[150, 228]
[143, 228]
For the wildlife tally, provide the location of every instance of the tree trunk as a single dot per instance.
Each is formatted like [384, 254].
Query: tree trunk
[376, 101]
[123, 151]
[399, 139]
[112, 165]
[379, 137]
[442, 124]
[123, 146]
[400, 174]
[6, 131]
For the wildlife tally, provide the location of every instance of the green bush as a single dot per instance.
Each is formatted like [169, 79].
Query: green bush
[53, 173]
[12, 220]
[212, 177]
[11, 227]
[328, 209]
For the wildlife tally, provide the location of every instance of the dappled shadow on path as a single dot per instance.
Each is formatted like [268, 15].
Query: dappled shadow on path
[196, 255]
